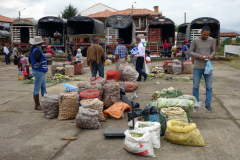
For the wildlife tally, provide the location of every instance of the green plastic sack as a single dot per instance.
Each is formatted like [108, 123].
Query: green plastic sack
[186, 105]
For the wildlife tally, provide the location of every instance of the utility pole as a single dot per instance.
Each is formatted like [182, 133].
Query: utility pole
[20, 13]
[184, 17]
[132, 9]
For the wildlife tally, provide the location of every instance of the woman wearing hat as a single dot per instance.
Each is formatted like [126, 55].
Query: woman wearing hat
[39, 69]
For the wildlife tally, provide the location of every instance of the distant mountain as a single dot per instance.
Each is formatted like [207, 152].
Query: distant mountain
[228, 30]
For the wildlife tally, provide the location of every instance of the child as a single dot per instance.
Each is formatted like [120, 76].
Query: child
[69, 57]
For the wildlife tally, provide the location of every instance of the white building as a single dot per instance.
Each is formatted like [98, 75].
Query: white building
[99, 7]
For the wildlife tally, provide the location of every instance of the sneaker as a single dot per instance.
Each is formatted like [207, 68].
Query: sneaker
[208, 108]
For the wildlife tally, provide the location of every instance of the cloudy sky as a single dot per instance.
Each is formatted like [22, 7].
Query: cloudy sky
[226, 11]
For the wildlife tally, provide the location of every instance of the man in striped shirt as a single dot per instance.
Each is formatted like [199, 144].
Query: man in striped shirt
[121, 54]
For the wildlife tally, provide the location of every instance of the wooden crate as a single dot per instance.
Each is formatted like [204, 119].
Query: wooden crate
[21, 77]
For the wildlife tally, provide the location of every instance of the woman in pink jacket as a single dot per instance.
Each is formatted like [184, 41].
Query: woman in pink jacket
[165, 47]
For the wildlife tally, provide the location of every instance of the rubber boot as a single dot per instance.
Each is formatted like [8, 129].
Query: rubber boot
[37, 104]
[27, 70]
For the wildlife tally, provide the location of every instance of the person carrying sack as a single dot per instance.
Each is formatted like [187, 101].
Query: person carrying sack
[202, 49]
[39, 69]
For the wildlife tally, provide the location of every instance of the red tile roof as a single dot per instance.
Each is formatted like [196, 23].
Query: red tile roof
[23, 18]
[229, 34]
[5, 19]
[138, 12]
[97, 4]
[105, 13]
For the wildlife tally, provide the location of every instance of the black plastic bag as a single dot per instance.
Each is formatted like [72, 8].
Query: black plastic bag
[137, 113]
[150, 110]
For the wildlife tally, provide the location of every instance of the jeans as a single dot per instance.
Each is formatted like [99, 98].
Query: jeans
[197, 74]
[40, 82]
[139, 68]
[165, 53]
[183, 59]
[97, 67]
[7, 58]
[188, 58]
[133, 61]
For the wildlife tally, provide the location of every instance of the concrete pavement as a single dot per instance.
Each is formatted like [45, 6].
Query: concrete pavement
[26, 134]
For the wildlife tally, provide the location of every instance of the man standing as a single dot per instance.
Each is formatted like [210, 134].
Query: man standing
[165, 47]
[15, 52]
[121, 54]
[202, 48]
[96, 58]
[7, 53]
[140, 60]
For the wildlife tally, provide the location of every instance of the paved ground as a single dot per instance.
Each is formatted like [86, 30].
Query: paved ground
[26, 134]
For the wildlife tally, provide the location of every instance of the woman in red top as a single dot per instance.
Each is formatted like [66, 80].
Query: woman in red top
[165, 47]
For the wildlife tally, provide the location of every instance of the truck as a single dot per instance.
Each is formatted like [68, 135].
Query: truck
[47, 26]
[82, 25]
[159, 30]
[5, 37]
[195, 27]
[22, 30]
[181, 34]
[119, 26]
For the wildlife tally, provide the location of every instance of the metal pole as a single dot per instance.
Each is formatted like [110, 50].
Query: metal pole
[19, 14]
[184, 17]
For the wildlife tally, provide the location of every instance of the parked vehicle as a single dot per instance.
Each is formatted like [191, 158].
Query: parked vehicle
[181, 34]
[47, 26]
[22, 30]
[82, 25]
[159, 30]
[194, 29]
[120, 26]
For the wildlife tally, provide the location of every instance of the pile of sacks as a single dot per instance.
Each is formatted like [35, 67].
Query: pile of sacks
[174, 67]
[67, 68]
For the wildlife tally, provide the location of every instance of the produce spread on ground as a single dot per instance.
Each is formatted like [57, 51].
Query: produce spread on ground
[95, 101]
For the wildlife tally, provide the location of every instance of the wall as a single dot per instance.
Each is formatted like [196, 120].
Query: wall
[231, 49]
[95, 9]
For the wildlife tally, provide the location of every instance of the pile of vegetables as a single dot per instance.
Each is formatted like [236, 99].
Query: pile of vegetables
[172, 79]
[185, 104]
[161, 75]
[136, 135]
[157, 69]
[167, 93]
[60, 77]
[150, 74]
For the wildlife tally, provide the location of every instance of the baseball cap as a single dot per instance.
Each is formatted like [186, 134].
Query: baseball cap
[186, 41]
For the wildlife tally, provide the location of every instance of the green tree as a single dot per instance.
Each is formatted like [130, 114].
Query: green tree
[227, 41]
[176, 28]
[69, 12]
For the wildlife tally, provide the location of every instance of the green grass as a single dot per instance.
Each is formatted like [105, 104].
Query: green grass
[220, 51]
[235, 62]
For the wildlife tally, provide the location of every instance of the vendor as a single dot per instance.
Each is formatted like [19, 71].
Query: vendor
[78, 55]
[22, 63]
[56, 37]
[39, 69]
[177, 51]
[49, 50]
[121, 54]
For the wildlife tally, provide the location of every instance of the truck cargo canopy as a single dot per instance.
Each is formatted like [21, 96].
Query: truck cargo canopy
[161, 21]
[4, 34]
[182, 28]
[84, 25]
[24, 22]
[119, 21]
[200, 22]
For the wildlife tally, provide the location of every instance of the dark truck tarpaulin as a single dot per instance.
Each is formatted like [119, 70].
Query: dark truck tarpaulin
[119, 21]
[84, 25]
[4, 34]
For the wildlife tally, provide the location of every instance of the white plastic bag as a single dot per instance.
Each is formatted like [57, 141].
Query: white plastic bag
[139, 145]
[87, 103]
[153, 128]
[145, 68]
[208, 68]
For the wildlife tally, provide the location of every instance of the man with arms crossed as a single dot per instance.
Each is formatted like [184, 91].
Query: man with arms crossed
[202, 48]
